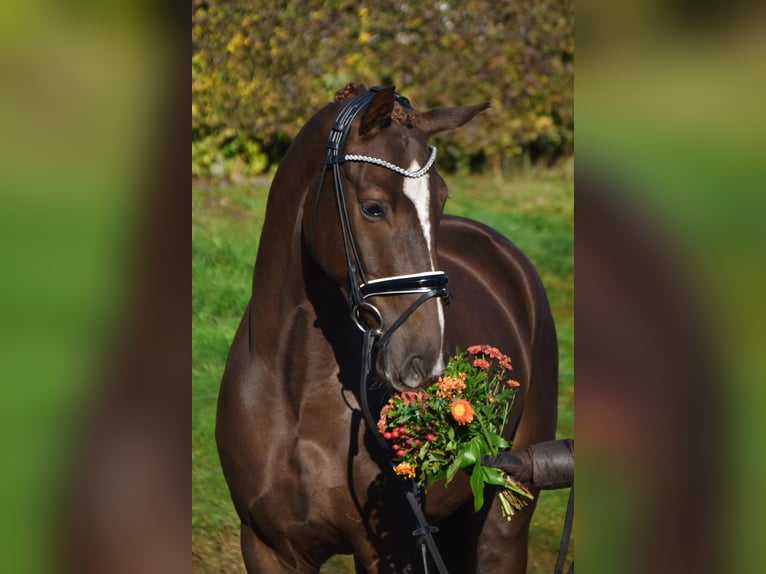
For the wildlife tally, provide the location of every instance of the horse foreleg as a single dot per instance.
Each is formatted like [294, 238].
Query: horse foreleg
[260, 558]
[502, 545]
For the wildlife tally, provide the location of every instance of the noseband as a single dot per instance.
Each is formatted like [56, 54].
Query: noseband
[428, 284]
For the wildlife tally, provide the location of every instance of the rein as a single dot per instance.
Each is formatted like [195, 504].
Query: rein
[428, 284]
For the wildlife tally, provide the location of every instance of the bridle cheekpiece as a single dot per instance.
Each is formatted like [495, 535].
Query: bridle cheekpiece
[429, 283]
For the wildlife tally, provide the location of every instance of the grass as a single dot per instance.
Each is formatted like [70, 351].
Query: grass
[535, 210]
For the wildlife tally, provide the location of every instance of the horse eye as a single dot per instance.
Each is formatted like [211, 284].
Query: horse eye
[373, 209]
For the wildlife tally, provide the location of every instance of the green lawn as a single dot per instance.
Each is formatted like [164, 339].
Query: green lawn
[535, 210]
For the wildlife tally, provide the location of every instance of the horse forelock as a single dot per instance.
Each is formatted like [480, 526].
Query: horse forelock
[403, 116]
[349, 91]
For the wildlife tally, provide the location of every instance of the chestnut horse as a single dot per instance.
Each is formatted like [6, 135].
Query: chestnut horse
[354, 240]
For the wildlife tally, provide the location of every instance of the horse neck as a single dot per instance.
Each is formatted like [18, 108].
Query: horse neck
[278, 282]
[286, 294]
[296, 311]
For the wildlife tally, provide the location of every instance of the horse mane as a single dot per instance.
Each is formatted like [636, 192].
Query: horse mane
[400, 114]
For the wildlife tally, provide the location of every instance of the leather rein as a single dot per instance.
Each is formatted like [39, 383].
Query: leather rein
[428, 284]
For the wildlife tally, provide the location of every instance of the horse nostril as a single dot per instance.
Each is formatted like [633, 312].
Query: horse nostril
[413, 373]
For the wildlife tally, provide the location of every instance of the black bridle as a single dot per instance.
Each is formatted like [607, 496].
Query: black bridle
[427, 284]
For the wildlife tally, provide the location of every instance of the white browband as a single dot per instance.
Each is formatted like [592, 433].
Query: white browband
[388, 165]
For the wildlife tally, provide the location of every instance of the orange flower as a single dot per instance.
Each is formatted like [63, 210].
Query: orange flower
[462, 411]
[512, 383]
[451, 386]
[405, 469]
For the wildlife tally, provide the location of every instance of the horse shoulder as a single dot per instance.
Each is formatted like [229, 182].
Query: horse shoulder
[499, 299]
[492, 273]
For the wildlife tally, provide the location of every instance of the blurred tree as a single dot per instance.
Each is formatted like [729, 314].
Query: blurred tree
[259, 70]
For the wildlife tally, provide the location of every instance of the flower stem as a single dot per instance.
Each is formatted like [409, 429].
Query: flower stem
[487, 435]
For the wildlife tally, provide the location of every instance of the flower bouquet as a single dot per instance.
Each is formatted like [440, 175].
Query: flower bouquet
[448, 426]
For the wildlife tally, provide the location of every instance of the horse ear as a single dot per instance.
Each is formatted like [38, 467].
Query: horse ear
[442, 119]
[378, 111]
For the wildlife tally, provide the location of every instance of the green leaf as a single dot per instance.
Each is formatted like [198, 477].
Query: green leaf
[477, 486]
[493, 439]
[493, 476]
[453, 468]
[472, 451]
[468, 455]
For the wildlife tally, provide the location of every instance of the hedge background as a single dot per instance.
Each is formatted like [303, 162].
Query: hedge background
[260, 70]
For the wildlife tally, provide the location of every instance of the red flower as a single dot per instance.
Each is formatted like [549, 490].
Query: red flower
[492, 352]
[409, 397]
[475, 349]
[382, 421]
[462, 411]
[481, 364]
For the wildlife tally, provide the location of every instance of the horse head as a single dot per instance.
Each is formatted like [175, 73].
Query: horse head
[378, 239]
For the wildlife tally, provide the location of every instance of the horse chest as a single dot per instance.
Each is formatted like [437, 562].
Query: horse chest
[318, 477]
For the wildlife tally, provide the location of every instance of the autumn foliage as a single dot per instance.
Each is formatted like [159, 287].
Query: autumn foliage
[260, 69]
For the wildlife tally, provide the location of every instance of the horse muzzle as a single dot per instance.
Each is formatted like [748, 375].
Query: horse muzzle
[410, 364]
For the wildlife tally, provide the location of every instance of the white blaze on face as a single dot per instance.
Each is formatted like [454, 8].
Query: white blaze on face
[420, 195]
[417, 190]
